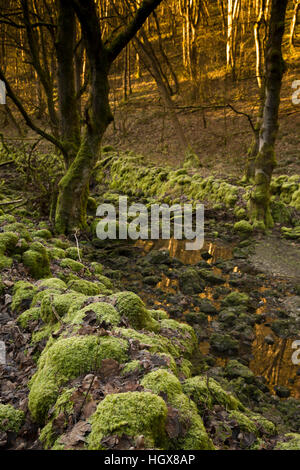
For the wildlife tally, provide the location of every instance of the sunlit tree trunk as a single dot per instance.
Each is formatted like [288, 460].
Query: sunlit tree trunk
[294, 22]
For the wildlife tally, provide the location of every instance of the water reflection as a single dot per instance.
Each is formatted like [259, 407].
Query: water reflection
[274, 362]
[177, 250]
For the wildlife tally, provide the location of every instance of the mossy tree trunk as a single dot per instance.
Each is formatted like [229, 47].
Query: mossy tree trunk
[74, 186]
[265, 161]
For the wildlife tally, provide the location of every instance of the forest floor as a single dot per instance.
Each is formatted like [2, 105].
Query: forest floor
[244, 343]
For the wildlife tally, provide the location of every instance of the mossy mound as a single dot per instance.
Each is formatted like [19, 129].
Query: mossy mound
[133, 308]
[105, 314]
[67, 359]
[58, 305]
[290, 441]
[23, 293]
[74, 266]
[86, 287]
[8, 241]
[10, 418]
[206, 392]
[132, 414]
[30, 315]
[195, 438]
[37, 261]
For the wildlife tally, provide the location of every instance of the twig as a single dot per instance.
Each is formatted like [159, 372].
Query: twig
[6, 203]
[77, 245]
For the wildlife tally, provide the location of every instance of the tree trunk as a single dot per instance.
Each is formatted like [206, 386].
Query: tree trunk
[265, 161]
[68, 103]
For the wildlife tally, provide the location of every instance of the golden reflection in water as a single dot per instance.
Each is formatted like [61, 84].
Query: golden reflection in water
[274, 362]
[177, 250]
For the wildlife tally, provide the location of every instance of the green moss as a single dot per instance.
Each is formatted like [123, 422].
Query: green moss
[105, 281]
[264, 425]
[52, 283]
[235, 299]
[19, 229]
[130, 367]
[105, 313]
[291, 442]
[159, 314]
[235, 369]
[196, 438]
[85, 287]
[23, 293]
[66, 359]
[132, 414]
[72, 253]
[153, 342]
[60, 243]
[206, 392]
[36, 259]
[74, 266]
[44, 233]
[243, 227]
[133, 308]
[8, 241]
[7, 219]
[54, 305]
[185, 368]
[56, 253]
[32, 314]
[45, 332]
[10, 418]
[187, 338]
[64, 405]
[97, 268]
[244, 422]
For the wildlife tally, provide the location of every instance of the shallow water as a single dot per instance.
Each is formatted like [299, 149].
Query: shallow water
[274, 362]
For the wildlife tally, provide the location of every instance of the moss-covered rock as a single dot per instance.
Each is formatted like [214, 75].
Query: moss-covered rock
[74, 253]
[10, 418]
[290, 441]
[224, 344]
[30, 315]
[58, 305]
[190, 282]
[132, 414]
[64, 405]
[71, 264]
[235, 299]
[23, 293]
[66, 359]
[43, 233]
[86, 287]
[133, 308]
[8, 241]
[105, 314]
[206, 392]
[235, 369]
[56, 253]
[196, 438]
[244, 228]
[36, 259]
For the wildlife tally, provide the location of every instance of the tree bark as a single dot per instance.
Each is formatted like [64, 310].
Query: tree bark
[265, 161]
[68, 103]
[74, 186]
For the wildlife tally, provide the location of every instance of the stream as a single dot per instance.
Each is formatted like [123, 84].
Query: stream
[270, 359]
